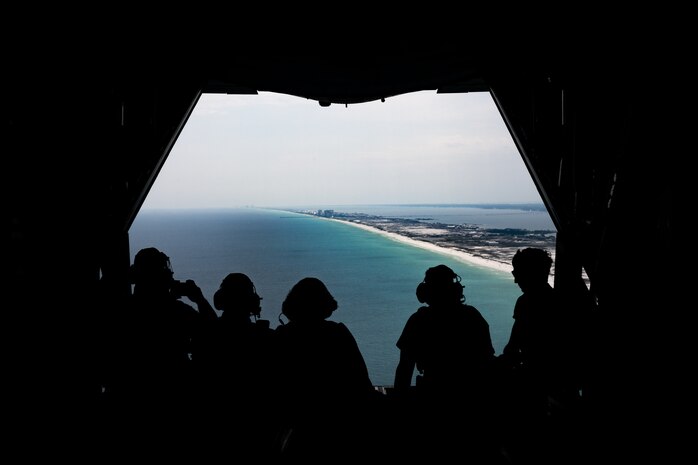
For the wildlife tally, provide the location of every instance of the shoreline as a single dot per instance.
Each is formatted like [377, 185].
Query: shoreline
[451, 252]
[472, 244]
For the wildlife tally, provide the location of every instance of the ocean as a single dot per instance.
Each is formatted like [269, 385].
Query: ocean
[372, 277]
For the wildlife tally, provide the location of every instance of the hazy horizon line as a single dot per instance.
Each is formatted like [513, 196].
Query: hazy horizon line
[325, 205]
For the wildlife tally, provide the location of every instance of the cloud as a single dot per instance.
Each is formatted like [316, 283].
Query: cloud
[274, 149]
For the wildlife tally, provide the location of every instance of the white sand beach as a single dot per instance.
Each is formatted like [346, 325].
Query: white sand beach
[457, 254]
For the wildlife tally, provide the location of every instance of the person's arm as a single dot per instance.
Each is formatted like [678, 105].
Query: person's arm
[511, 350]
[403, 373]
[511, 354]
[406, 365]
[195, 294]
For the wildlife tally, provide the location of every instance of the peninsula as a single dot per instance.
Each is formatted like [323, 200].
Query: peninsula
[492, 248]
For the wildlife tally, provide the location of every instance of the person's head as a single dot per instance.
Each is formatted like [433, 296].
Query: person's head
[237, 293]
[308, 300]
[441, 285]
[531, 267]
[151, 270]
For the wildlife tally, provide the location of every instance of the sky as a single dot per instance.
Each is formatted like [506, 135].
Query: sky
[277, 150]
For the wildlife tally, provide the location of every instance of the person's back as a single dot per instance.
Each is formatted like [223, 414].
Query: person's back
[232, 353]
[449, 344]
[453, 349]
[537, 342]
[239, 356]
[323, 362]
[447, 341]
[322, 376]
[232, 358]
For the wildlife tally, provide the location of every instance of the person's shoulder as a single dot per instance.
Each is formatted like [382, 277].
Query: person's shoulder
[262, 326]
[472, 314]
[525, 299]
[281, 329]
[331, 325]
[421, 312]
[264, 334]
[184, 307]
[337, 330]
[419, 316]
[469, 309]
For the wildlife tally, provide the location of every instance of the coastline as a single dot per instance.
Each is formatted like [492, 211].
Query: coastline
[469, 243]
[451, 252]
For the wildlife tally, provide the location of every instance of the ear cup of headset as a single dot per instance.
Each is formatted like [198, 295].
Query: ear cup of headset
[255, 304]
[223, 299]
[423, 295]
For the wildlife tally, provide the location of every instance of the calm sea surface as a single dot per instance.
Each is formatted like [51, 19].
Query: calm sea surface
[372, 277]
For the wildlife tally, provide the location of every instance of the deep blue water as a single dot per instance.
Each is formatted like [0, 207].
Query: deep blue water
[372, 277]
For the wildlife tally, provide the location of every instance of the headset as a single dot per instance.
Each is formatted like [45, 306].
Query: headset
[237, 290]
[150, 263]
[440, 283]
[308, 299]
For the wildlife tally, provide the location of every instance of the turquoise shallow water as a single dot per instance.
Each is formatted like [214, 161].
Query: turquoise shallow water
[372, 277]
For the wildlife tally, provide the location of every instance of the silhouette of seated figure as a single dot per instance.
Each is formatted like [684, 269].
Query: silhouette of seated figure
[449, 343]
[232, 356]
[151, 386]
[233, 351]
[323, 377]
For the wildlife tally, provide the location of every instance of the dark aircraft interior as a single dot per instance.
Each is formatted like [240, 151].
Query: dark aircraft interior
[86, 135]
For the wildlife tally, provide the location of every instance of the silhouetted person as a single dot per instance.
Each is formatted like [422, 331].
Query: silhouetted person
[232, 357]
[540, 357]
[448, 342]
[325, 385]
[152, 391]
